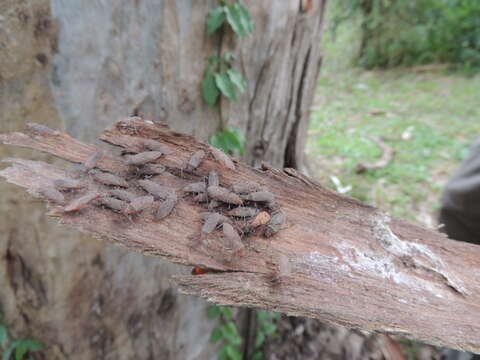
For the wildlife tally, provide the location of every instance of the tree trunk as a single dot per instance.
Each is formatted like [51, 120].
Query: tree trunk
[79, 67]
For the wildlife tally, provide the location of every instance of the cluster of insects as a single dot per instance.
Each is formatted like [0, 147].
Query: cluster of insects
[117, 195]
[235, 210]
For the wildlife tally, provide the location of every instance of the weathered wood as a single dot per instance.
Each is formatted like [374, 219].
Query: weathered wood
[146, 58]
[351, 264]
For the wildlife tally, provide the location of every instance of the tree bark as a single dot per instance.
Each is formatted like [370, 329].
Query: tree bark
[334, 258]
[76, 66]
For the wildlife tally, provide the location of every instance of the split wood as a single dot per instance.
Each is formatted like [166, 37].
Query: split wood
[335, 258]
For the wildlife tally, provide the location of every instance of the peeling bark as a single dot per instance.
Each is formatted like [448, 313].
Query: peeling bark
[351, 264]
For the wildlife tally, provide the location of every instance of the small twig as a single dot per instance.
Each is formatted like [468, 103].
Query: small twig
[387, 155]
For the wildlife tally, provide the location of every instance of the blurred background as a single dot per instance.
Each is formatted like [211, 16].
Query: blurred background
[405, 72]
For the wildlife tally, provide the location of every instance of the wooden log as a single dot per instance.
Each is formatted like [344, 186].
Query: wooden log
[348, 263]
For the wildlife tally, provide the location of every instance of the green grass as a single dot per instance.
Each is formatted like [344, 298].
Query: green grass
[440, 110]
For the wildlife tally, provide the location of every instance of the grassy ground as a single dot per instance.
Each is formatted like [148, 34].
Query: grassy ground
[428, 118]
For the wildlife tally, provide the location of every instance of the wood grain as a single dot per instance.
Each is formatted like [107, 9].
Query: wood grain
[351, 264]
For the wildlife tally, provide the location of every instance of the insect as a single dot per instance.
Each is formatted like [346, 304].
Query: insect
[68, 184]
[243, 211]
[41, 129]
[81, 202]
[112, 203]
[260, 196]
[275, 224]
[246, 187]
[201, 271]
[122, 195]
[50, 193]
[157, 190]
[200, 198]
[222, 194]
[165, 208]
[195, 160]
[213, 179]
[213, 204]
[233, 240]
[143, 158]
[139, 204]
[222, 158]
[154, 145]
[211, 221]
[284, 269]
[151, 169]
[109, 179]
[197, 187]
[261, 219]
[92, 161]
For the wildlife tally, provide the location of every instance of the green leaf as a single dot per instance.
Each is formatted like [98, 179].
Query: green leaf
[237, 79]
[258, 355]
[259, 339]
[270, 328]
[232, 141]
[229, 57]
[25, 345]
[3, 335]
[234, 18]
[216, 335]
[218, 141]
[227, 312]
[8, 352]
[231, 334]
[209, 89]
[225, 85]
[222, 353]
[215, 19]
[262, 316]
[213, 311]
[233, 353]
[245, 18]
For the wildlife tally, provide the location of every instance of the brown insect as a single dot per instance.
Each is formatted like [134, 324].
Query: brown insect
[243, 211]
[198, 187]
[165, 208]
[92, 161]
[139, 204]
[211, 221]
[275, 224]
[233, 240]
[213, 204]
[122, 195]
[195, 160]
[201, 271]
[50, 193]
[284, 270]
[109, 179]
[261, 219]
[143, 158]
[246, 187]
[68, 184]
[112, 204]
[41, 129]
[157, 190]
[260, 196]
[222, 158]
[151, 169]
[81, 202]
[201, 198]
[213, 178]
[154, 145]
[224, 195]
